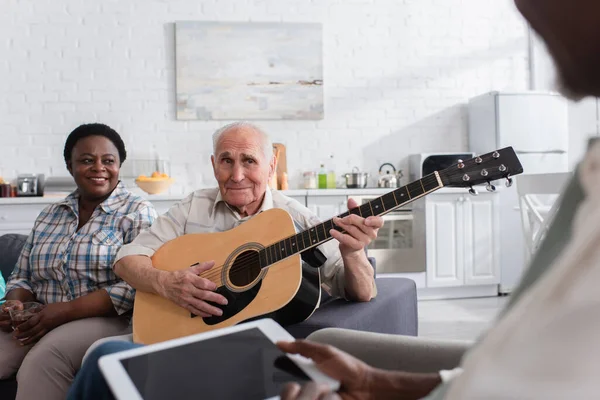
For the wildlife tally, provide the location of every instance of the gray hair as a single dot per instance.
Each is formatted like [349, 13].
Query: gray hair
[267, 145]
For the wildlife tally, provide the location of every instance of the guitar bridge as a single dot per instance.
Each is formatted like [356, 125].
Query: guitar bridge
[236, 302]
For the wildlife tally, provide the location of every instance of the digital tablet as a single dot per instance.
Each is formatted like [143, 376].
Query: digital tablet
[238, 362]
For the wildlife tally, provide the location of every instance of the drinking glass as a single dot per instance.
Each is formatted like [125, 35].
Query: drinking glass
[19, 315]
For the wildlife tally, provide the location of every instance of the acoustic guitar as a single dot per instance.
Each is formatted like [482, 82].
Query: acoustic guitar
[258, 264]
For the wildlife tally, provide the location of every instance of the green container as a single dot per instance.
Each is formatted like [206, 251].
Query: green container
[322, 181]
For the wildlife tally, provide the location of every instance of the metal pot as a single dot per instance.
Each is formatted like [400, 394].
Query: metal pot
[356, 179]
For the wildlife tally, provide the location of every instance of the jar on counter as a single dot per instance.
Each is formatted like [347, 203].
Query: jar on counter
[310, 180]
[5, 190]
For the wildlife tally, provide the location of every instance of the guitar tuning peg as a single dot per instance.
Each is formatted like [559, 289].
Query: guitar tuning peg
[509, 181]
[490, 188]
[473, 192]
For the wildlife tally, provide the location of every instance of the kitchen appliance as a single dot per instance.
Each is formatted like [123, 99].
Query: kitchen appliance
[59, 185]
[30, 185]
[389, 179]
[536, 125]
[423, 164]
[395, 249]
[356, 179]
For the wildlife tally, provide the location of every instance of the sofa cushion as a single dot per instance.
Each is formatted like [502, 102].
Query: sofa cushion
[10, 248]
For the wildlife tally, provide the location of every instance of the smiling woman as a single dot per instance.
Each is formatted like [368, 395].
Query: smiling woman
[66, 264]
[94, 154]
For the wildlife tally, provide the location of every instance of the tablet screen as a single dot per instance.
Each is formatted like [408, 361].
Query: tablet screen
[241, 365]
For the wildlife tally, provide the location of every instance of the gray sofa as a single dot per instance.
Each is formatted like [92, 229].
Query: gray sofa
[394, 310]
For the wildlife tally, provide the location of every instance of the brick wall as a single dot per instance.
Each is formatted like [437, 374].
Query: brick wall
[397, 74]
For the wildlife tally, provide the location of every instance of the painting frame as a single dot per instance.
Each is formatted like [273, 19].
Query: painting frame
[249, 70]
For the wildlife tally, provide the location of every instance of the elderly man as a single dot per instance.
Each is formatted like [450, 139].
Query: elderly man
[243, 164]
[545, 343]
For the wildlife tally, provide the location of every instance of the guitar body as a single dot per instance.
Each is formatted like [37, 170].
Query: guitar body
[282, 291]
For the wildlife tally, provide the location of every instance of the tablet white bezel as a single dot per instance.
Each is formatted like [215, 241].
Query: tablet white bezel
[123, 388]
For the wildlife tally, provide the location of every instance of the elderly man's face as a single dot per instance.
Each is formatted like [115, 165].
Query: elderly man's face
[571, 29]
[241, 168]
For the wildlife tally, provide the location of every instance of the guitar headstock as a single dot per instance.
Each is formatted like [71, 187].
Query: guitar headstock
[489, 167]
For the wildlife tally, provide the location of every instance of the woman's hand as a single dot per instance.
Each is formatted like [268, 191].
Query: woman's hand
[5, 320]
[358, 381]
[51, 316]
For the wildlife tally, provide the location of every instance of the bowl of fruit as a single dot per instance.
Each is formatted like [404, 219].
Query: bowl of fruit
[154, 184]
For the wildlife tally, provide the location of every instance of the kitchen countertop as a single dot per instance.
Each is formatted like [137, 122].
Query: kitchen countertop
[175, 197]
[336, 192]
[292, 192]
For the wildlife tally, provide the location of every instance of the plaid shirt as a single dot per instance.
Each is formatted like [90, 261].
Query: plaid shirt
[60, 263]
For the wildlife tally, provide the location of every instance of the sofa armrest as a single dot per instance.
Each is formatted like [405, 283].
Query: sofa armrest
[396, 352]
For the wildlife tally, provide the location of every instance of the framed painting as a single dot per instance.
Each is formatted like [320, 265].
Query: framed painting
[249, 70]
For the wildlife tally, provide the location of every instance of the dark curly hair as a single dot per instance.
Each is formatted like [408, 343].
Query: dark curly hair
[95, 129]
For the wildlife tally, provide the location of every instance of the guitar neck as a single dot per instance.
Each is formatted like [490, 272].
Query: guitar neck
[319, 234]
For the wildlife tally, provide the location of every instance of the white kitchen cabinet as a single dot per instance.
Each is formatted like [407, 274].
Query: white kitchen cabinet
[444, 246]
[461, 240]
[300, 199]
[481, 239]
[327, 207]
[162, 206]
[19, 218]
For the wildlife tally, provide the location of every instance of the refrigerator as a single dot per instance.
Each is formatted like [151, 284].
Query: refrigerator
[536, 125]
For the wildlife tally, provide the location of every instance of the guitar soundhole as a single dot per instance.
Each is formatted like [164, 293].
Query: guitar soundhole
[245, 269]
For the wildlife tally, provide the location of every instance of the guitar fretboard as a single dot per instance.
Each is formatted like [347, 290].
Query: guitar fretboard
[319, 234]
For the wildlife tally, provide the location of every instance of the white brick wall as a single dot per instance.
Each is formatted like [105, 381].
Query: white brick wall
[397, 74]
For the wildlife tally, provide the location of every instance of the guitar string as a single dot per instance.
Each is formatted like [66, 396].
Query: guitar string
[246, 262]
[426, 180]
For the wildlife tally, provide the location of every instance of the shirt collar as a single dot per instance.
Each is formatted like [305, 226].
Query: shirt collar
[267, 203]
[110, 205]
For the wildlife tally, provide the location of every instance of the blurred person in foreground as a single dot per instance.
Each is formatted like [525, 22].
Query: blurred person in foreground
[544, 345]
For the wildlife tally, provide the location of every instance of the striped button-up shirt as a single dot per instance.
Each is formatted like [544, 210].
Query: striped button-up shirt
[60, 263]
